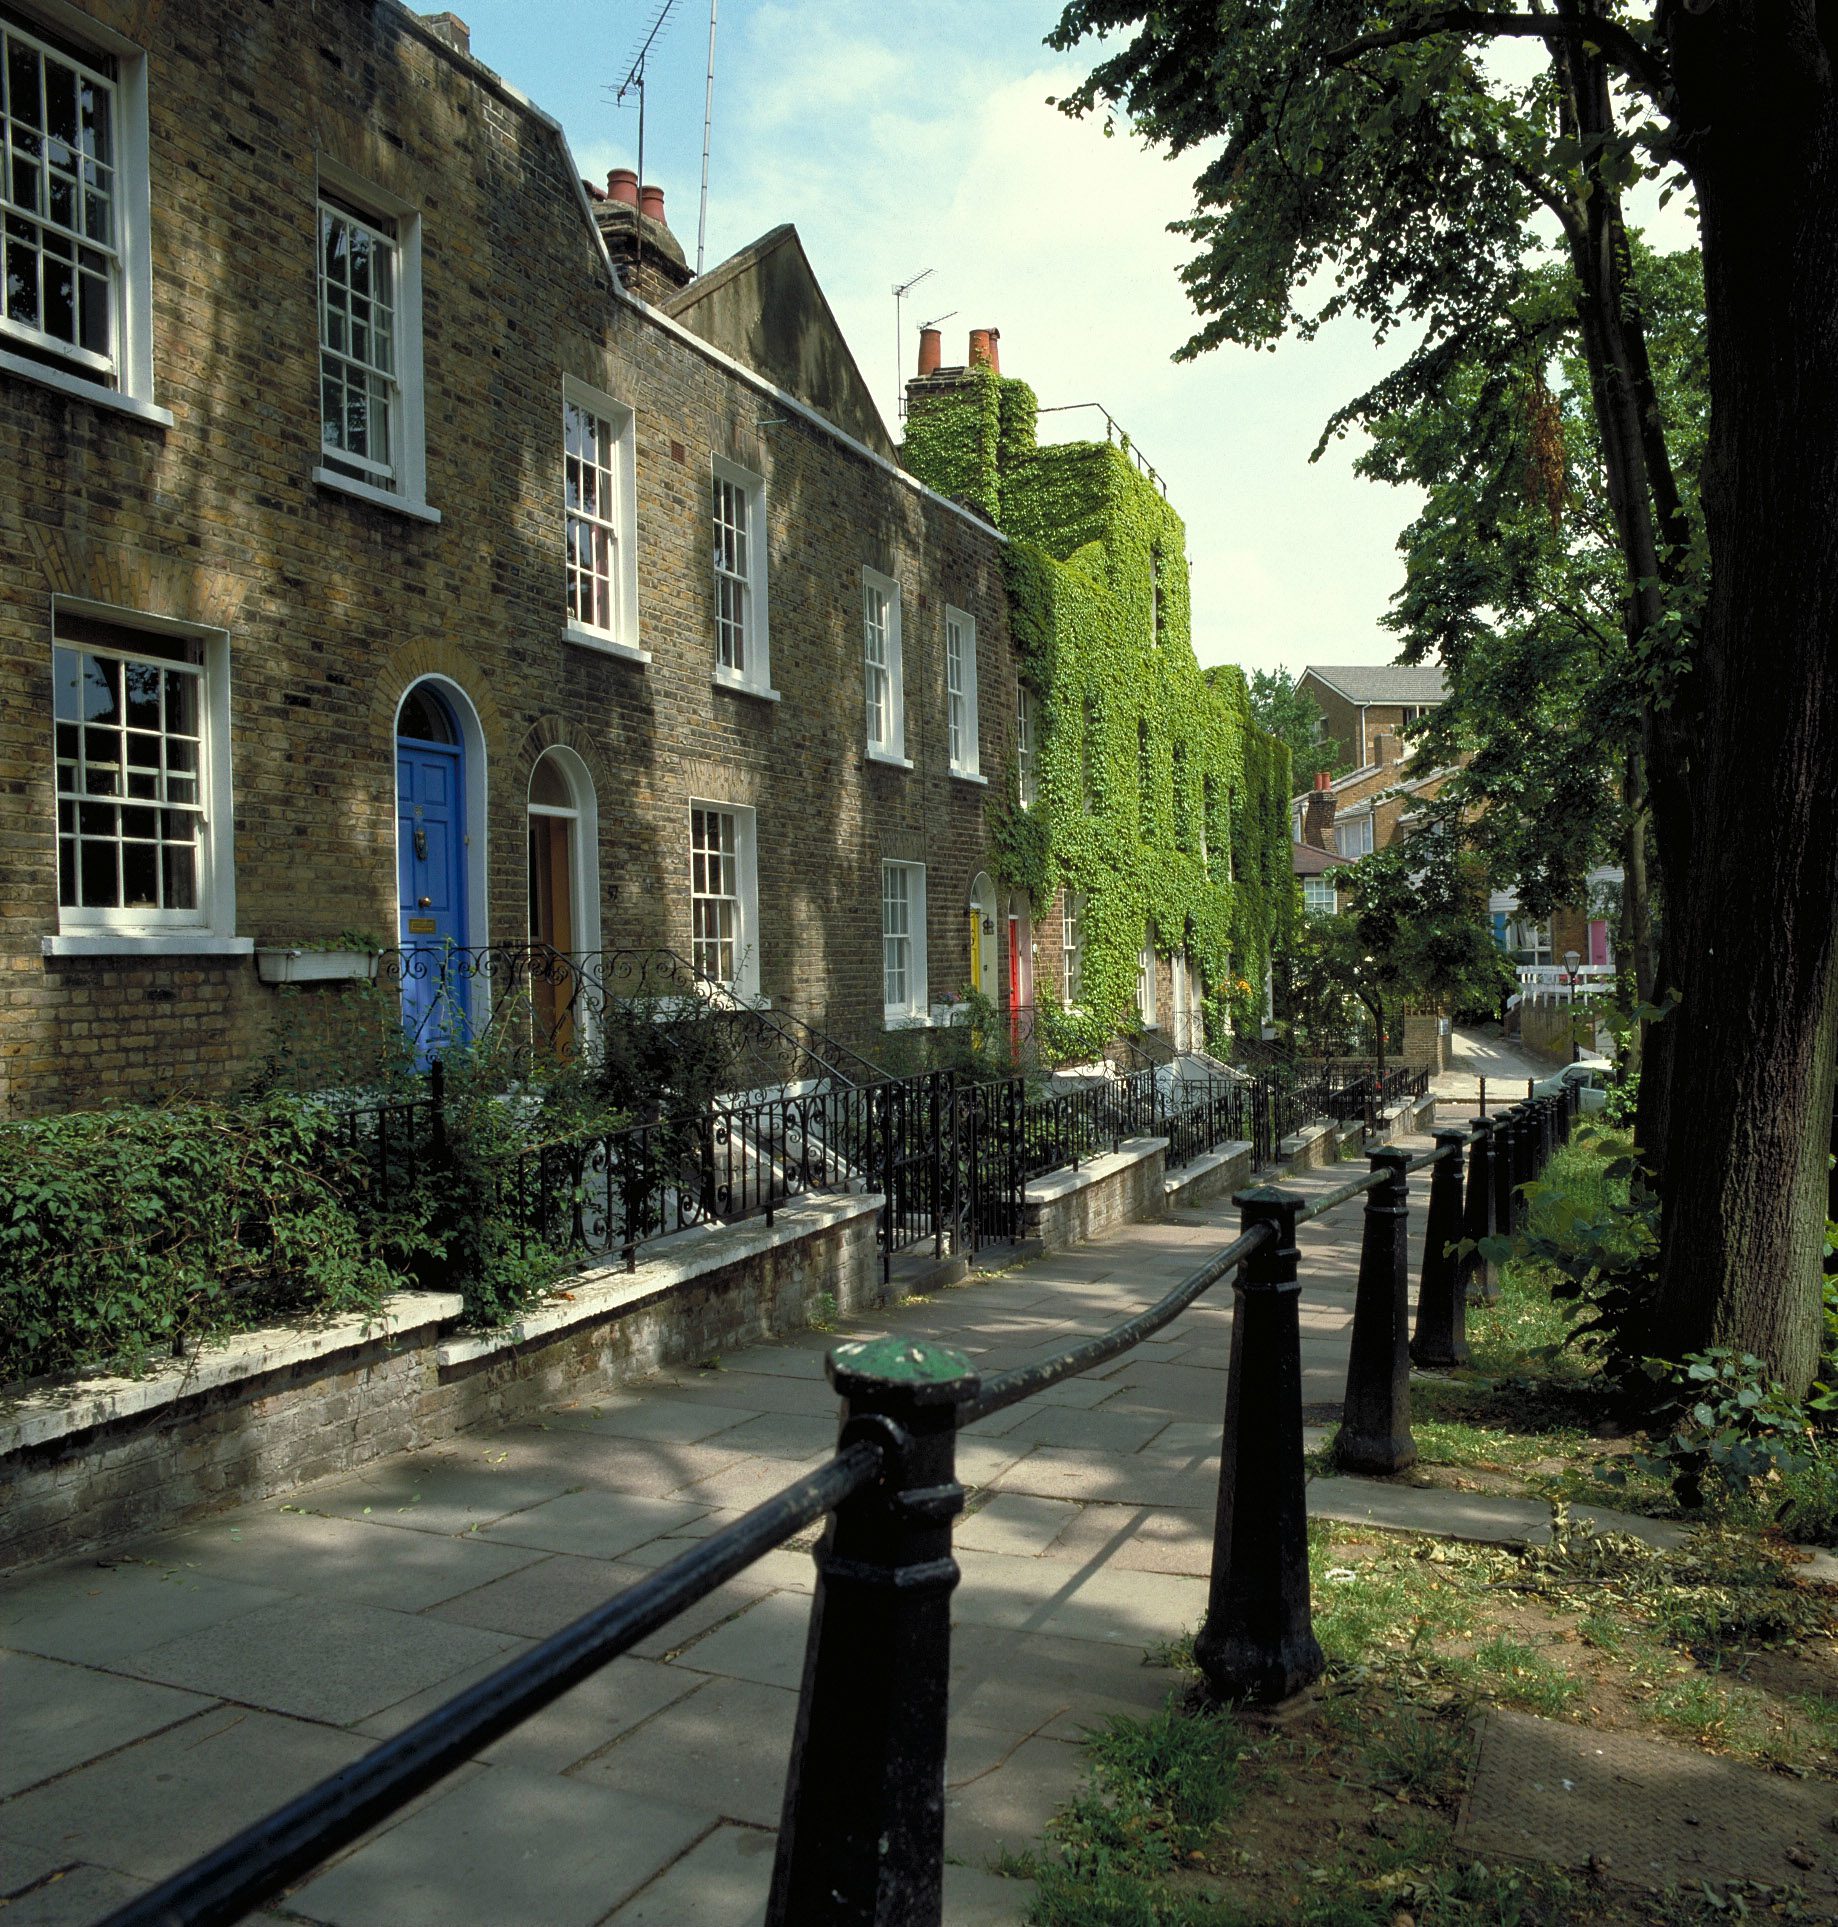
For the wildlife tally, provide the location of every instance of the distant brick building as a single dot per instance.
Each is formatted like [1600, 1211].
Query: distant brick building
[1361, 702]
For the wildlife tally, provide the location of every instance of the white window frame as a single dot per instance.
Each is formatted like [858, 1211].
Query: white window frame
[1027, 752]
[1072, 949]
[621, 636]
[907, 962]
[883, 679]
[405, 486]
[1145, 984]
[1319, 897]
[210, 927]
[125, 381]
[754, 677]
[1353, 835]
[961, 724]
[745, 981]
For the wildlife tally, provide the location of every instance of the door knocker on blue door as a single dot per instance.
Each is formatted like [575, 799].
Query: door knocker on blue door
[421, 844]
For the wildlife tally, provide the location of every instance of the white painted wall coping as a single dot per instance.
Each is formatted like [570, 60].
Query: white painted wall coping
[81, 1402]
[1308, 1134]
[1063, 1184]
[1201, 1167]
[611, 1288]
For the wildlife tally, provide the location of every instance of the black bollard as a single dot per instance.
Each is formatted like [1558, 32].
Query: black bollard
[1477, 1280]
[1441, 1336]
[1258, 1642]
[1503, 1180]
[1375, 1422]
[862, 1837]
[1523, 1173]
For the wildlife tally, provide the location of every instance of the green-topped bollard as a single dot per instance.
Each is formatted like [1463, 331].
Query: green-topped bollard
[1477, 1279]
[1374, 1431]
[1441, 1337]
[1258, 1642]
[862, 1837]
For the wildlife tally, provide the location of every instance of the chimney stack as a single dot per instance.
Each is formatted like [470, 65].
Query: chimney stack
[931, 351]
[1318, 814]
[984, 351]
[1388, 747]
[452, 29]
[649, 258]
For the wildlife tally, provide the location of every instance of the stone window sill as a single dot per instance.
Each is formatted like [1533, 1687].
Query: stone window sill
[145, 943]
[739, 686]
[91, 391]
[606, 645]
[892, 759]
[381, 498]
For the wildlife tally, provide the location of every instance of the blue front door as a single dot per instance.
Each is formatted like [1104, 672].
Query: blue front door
[431, 862]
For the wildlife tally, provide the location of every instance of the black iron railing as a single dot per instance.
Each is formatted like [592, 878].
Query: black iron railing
[861, 1837]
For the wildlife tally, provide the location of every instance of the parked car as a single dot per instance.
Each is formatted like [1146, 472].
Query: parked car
[1591, 1075]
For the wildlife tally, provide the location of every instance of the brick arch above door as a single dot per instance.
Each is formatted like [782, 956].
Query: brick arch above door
[406, 666]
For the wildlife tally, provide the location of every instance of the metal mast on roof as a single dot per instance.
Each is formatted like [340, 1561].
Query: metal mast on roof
[708, 122]
[901, 290]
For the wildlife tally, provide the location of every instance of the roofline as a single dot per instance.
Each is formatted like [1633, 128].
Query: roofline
[515, 97]
[1367, 702]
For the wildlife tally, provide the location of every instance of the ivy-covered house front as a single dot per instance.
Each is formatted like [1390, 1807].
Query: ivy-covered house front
[1143, 847]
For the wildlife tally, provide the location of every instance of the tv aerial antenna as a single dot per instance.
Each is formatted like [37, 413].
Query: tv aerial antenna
[708, 123]
[634, 82]
[901, 290]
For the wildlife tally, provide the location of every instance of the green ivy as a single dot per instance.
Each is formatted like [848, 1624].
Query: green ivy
[1159, 800]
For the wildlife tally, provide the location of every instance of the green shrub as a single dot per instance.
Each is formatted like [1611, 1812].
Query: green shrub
[129, 1233]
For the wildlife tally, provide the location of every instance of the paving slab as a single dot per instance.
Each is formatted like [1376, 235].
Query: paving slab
[581, 1459]
[94, 1610]
[1657, 1814]
[784, 1435]
[1018, 1522]
[1129, 1609]
[436, 1492]
[728, 1742]
[1104, 1431]
[151, 1808]
[540, 1598]
[676, 1420]
[1175, 1539]
[722, 1881]
[1491, 1518]
[765, 1642]
[317, 1660]
[589, 1717]
[508, 1845]
[63, 1894]
[293, 1550]
[1021, 1682]
[597, 1524]
[58, 1716]
[1007, 1808]
[1116, 1478]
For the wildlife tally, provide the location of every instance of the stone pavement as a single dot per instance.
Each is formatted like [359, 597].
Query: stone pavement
[160, 1698]
[1477, 1051]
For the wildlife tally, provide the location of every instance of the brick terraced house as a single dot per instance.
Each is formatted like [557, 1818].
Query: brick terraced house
[374, 560]
[400, 547]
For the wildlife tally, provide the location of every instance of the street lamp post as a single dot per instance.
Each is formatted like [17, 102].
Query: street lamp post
[1572, 958]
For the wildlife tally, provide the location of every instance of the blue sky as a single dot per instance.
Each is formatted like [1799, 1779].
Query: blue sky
[900, 138]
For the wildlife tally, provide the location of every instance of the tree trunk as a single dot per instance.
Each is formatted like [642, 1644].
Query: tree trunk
[1750, 923]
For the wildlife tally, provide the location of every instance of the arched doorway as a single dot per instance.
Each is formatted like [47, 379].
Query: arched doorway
[984, 937]
[439, 859]
[564, 897]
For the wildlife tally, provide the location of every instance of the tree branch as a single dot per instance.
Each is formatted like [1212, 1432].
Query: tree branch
[1639, 64]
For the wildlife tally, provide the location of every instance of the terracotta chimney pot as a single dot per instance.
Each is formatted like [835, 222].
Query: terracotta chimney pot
[931, 350]
[1323, 780]
[651, 202]
[983, 349]
[622, 185]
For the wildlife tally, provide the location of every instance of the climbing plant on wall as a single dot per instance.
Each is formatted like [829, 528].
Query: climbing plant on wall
[1156, 798]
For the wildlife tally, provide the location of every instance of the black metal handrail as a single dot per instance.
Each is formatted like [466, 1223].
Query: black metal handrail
[1025, 1380]
[265, 1857]
[861, 1838]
